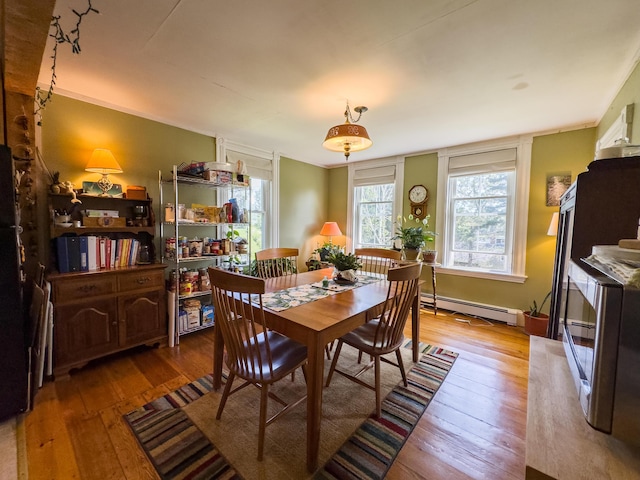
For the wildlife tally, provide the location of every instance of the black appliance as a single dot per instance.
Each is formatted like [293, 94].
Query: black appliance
[600, 208]
[14, 377]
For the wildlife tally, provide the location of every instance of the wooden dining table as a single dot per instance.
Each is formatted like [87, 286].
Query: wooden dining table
[315, 324]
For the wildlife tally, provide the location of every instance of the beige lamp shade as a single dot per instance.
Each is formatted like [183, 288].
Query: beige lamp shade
[347, 138]
[330, 229]
[103, 161]
[553, 225]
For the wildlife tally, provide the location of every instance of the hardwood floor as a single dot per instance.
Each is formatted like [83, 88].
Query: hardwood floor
[473, 429]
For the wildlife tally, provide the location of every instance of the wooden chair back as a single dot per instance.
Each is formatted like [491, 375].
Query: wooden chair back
[378, 260]
[241, 323]
[403, 287]
[277, 262]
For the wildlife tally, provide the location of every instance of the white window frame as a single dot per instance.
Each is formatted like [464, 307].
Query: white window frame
[268, 163]
[359, 167]
[522, 144]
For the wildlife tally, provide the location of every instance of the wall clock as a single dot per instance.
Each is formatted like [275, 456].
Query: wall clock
[418, 196]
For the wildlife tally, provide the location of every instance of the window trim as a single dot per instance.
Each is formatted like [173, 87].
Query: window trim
[398, 163]
[523, 145]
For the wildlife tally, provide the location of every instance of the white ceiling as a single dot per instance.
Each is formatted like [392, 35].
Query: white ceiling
[276, 75]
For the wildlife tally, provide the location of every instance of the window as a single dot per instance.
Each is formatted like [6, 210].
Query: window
[375, 189]
[262, 168]
[482, 209]
[374, 215]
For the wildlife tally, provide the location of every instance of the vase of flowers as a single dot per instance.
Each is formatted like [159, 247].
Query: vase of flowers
[413, 234]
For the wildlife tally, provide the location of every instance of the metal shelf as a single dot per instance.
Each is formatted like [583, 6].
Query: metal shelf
[171, 229]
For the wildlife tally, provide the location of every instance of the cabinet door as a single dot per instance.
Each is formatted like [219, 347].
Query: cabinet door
[142, 317]
[84, 331]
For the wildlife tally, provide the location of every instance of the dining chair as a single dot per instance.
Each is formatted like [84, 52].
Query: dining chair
[378, 260]
[384, 334]
[254, 353]
[276, 262]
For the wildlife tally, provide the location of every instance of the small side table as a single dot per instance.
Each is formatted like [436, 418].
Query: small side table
[434, 304]
[433, 266]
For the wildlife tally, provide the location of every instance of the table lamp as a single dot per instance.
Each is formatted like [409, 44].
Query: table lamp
[102, 161]
[553, 225]
[329, 229]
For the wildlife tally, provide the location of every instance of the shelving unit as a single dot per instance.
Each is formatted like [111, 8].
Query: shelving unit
[174, 190]
[103, 311]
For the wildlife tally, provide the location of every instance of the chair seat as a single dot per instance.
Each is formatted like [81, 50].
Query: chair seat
[286, 355]
[363, 338]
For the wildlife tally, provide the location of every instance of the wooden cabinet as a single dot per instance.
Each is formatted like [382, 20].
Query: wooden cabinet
[103, 312]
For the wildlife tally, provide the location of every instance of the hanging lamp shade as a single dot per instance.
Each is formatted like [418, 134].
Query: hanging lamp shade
[348, 137]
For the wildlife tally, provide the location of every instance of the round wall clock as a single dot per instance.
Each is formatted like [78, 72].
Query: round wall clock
[418, 194]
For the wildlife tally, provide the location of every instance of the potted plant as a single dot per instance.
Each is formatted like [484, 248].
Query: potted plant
[346, 265]
[326, 250]
[536, 322]
[413, 235]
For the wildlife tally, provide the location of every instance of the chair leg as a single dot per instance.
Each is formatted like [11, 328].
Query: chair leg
[401, 365]
[333, 363]
[377, 380]
[264, 394]
[225, 395]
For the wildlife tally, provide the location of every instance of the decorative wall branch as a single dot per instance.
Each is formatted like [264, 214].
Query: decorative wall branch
[42, 98]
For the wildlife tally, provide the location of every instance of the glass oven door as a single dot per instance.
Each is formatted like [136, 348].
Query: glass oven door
[591, 323]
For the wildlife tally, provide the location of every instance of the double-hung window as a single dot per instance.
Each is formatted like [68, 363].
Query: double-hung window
[375, 189]
[262, 167]
[483, 201]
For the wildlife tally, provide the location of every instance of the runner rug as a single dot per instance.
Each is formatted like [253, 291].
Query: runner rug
[183, 440]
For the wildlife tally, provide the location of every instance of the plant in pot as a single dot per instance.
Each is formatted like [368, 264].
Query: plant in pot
[414, 235]
[536, 322]
[326, 250]
[346, 265]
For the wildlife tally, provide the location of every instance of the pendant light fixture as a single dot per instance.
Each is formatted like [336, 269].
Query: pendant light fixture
[348, 137]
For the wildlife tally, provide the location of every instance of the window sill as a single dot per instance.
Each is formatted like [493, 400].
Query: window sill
[502, 277]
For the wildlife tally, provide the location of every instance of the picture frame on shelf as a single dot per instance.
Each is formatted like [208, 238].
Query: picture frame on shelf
[92, 188]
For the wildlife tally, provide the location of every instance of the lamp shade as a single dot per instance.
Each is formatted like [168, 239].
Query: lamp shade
[330, 229]
[103, 161]
[347, 137]
[553, 225]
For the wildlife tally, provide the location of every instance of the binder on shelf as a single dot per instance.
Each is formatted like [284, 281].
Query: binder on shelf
[84, 254]
[92, 252]
[73, 249]
[63, 254]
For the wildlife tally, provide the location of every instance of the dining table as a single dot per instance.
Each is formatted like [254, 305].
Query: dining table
[316, 324]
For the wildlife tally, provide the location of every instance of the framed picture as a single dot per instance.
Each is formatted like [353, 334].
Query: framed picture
[92, 188]
[557, 184]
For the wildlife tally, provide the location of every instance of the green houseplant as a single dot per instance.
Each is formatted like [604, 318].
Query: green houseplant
[345, 264]
[414, 235]
[326, 249]
[536, 322]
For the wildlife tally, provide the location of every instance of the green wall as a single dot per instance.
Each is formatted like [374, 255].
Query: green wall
[304, 192]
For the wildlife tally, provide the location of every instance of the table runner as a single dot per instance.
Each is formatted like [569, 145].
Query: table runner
[296, 296]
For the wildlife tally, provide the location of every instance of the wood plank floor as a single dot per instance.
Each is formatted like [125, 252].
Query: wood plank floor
[473, 429]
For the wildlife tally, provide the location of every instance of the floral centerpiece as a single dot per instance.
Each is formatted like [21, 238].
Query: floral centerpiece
[413, 234]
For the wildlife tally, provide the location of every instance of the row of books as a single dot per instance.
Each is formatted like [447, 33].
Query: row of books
[86, 253]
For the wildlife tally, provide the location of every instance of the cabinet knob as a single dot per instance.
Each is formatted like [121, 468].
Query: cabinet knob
[143, 280]
[87, 288]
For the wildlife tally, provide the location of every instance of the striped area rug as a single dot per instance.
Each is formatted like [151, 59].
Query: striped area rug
[179, 450]
[370, 451]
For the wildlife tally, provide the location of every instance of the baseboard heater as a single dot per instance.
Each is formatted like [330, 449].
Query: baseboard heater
[510, 316]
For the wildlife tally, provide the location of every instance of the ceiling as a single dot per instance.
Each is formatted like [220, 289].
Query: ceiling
[433, 73]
